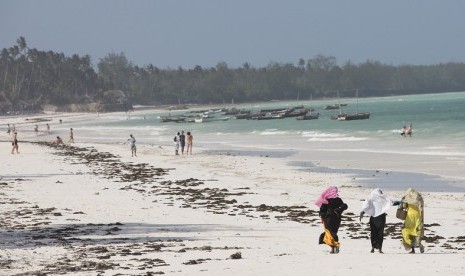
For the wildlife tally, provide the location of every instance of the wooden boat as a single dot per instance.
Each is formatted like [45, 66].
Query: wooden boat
[297, 112]
[206, 119]
[308, 116]
[356, 116]
[175, 119]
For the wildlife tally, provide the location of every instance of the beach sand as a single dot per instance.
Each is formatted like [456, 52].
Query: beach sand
[92, 209]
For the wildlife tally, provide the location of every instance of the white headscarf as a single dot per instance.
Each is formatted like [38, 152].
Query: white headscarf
[377, 204]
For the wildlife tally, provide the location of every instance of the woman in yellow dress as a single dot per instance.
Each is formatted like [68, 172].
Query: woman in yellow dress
[413, 230]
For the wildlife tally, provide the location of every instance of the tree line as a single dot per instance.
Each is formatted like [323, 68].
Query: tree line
[31, 77]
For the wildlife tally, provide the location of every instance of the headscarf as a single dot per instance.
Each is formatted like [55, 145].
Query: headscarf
[377, 204]
[413, 197]
[330, 192]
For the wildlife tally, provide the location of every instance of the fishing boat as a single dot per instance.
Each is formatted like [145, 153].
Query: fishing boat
[175, 119]
[296, 112]
[356, 116]
[207, 118]
[308, 116]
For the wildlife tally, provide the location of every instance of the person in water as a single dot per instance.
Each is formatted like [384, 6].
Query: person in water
[376, 206]
[331, 208]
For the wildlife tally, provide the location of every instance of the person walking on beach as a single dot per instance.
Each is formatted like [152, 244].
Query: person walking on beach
[36, 130]
[48, 128]
[190, 140]
[413, 229]
[331, 208]
[8, 130]
[376, 206]
[71, 136]
[176, 144]
[132, 140]
[182, 141]
[14, 143]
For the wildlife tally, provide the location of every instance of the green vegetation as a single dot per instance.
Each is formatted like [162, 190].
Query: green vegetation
[30, 78]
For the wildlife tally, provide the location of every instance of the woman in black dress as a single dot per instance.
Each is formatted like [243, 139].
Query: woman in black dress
[331, 208]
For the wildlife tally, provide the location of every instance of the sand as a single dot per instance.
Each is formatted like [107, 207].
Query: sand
[92, 209]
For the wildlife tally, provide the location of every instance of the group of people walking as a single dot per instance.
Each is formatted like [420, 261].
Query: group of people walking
[376, 207]
[180, 142]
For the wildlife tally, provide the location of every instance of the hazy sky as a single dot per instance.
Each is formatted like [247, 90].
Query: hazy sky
[174, 33]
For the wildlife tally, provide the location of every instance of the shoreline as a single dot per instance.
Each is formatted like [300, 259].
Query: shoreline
[89, 208]
[171, 225]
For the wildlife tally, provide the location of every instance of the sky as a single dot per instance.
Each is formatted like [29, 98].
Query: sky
[175, 33]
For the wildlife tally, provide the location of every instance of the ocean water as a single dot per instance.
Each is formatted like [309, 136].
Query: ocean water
[434, 116]
[437, 147]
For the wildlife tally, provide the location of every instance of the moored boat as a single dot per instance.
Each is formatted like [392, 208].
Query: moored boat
[308, 116]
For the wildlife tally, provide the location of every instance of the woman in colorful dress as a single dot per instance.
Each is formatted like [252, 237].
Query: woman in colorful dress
[413, 230]
[331, 208]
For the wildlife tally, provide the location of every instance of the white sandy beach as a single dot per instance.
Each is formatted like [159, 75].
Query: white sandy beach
[77, 211]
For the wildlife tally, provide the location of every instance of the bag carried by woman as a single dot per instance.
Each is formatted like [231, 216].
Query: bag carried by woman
[401, 212]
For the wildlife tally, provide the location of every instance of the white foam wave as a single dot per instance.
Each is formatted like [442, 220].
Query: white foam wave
[273, 132]
[314, 136]
[337, 139]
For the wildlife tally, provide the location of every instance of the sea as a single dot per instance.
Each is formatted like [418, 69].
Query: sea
[371, 150]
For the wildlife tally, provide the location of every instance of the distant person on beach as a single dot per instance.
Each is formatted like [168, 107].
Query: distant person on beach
[331, 208]
[190, 140]
[409, 130]
[48, 128]
[58, 141]
[36, 130]
[376, 206]
[132, 140]
[14, 143]
[413, 230]
[8, 130]
[61, 121]
[182, 141]
[71, 136]
[176, 143]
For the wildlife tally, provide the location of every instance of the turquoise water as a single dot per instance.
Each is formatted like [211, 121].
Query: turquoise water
[435, 116]
[433, 157]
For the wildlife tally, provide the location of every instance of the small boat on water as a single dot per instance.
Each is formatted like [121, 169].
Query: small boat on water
[356, 116]
[308, 116]
[175, 119]
[206, 119]
[301, 111]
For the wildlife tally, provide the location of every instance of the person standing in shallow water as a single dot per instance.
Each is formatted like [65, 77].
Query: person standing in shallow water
[376, 207]
[413, 230]
[331, 208]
